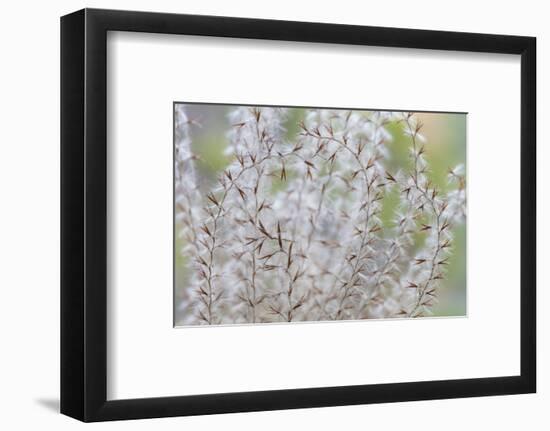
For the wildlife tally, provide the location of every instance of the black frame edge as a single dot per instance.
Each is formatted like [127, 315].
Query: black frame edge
[528, 257]
[72, 215]
[83, 208]
[95, 189]
[147, 408]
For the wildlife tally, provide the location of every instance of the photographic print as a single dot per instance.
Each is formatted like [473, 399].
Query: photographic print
[292, 214]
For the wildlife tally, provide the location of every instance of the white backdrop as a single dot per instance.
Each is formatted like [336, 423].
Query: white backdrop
[29, 169]
[147, 357]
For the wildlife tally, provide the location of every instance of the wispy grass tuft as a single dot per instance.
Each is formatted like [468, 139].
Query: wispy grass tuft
[294, 229]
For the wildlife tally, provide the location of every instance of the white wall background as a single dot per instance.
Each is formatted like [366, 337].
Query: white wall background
[29, 214]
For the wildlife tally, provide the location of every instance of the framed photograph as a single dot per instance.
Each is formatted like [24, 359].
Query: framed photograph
[261, 215]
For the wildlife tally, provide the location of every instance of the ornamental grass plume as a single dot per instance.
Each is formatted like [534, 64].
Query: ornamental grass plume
[292, 230]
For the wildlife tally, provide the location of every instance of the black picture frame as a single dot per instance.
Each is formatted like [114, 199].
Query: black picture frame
[84, 214]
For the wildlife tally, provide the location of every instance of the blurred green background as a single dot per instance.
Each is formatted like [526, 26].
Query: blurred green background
[445, 145]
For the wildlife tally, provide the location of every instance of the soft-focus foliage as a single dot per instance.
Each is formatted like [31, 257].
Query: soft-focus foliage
[293, 227]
